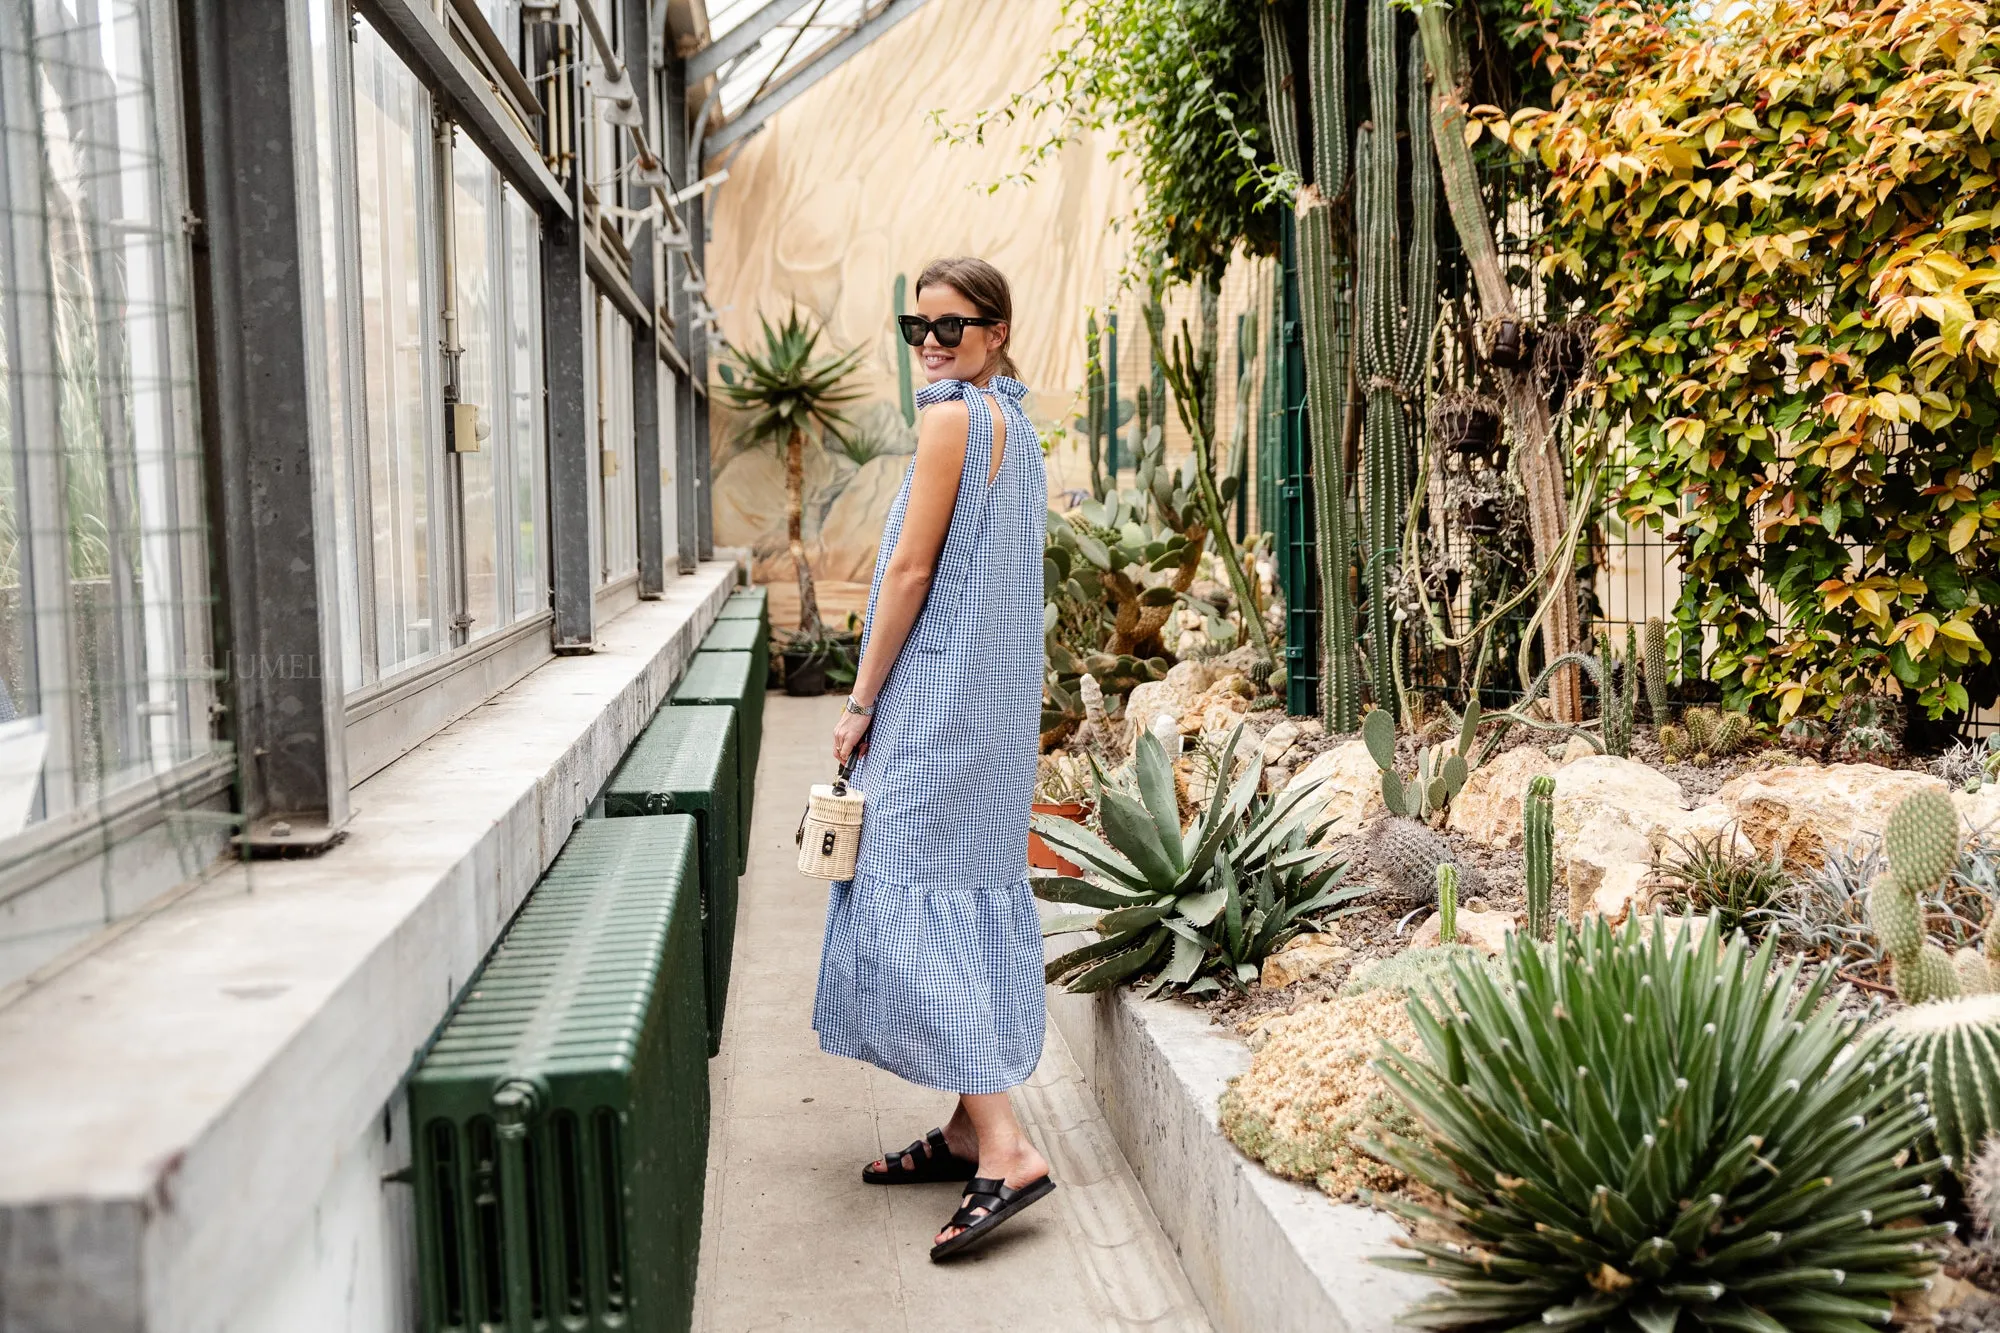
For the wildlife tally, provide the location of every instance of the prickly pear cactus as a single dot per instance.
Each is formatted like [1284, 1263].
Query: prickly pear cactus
[1922, 840]
[1953, 1051]
[1922, 844]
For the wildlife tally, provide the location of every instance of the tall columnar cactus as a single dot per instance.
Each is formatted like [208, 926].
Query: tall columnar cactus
[1922, 845]
[905, 394]
[1952, 1053]
[1323, 301]
[1398, 302]
[1538, 851]
[1657, 685]
[1093, 401]
[1618, 693]
[1447, 903]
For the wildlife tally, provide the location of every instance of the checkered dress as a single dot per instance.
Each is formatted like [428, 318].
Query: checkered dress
[932, 967]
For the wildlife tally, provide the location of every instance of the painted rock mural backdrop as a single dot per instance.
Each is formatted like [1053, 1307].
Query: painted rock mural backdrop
[839, 203]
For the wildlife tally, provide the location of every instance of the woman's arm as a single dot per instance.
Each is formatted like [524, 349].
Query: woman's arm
[907, 581]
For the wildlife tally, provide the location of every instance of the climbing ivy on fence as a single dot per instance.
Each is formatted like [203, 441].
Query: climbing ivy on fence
[1792, 222]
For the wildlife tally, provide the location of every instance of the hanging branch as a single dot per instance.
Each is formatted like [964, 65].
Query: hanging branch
[1542, 471]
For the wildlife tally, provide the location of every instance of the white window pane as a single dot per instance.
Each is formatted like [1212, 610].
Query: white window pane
[391, 132]
[327, 32]
[524, 381]
[476, 259]
[617, 501]
[116, 297]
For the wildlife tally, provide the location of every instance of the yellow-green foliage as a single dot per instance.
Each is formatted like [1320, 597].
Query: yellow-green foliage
[1790, 221]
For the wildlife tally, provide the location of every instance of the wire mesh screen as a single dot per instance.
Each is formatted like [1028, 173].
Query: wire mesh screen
[105, 673]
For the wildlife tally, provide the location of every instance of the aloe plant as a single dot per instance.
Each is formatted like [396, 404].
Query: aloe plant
[1636, 1129]
[1174, 898]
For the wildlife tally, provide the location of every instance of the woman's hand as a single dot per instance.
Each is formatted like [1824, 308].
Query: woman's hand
[850, 736]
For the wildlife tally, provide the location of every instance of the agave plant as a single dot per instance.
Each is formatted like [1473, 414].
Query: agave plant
[1165, 900]
[1633, 1130]
[1262, 912]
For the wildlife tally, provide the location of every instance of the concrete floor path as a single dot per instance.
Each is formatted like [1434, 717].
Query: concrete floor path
[793, 1239]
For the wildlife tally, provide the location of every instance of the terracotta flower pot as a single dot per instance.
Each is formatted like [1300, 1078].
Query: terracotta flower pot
[1044, 857]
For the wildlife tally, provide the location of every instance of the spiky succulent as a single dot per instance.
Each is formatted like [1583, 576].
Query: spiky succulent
[1405, 855]
[1950, 1054]
[1705, 734]
[1634, 1130]
[1982, 1189]
[1164, 892]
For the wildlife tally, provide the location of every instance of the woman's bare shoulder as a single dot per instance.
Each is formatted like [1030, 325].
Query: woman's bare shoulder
[944, 423]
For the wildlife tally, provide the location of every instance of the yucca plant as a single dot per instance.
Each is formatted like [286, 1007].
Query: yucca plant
[1163, 900]
[1639, 1130]
[786, 387]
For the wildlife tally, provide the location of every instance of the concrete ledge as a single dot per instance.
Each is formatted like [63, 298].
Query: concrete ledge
[174, 1104]
[1264, 1255]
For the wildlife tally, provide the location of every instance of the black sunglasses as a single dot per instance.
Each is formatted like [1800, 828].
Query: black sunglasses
[950, 329]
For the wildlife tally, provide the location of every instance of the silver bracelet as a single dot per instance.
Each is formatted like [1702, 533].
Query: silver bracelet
[858, 710]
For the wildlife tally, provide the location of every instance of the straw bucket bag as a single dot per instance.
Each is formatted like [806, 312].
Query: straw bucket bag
[829, 835]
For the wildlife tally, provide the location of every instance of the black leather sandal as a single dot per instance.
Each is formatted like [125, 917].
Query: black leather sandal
[934, 1160]
[1000, 1202]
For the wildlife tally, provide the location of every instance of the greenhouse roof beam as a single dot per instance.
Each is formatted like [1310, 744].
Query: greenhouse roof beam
[877, 20]
[739, 39]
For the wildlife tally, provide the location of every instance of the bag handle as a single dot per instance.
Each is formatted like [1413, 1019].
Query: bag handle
[839, 789]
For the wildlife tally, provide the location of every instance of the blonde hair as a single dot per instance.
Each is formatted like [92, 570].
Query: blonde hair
[983, 285]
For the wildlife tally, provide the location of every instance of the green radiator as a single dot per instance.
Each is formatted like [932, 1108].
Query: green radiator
[742, 636]
[750, 604]
[732, 678]
[561, 1118]
[685, 762]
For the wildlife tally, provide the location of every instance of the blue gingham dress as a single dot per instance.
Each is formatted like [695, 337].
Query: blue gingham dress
[932, 967]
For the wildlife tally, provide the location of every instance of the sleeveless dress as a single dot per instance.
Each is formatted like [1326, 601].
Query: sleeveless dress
[932, 965]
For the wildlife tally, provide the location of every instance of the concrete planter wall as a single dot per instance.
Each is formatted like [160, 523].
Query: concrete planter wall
[1264, 1255]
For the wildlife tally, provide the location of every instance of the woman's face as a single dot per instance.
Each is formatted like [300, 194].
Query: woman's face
[975, 351]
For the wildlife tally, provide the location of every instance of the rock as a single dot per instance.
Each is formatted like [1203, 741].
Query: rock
[1804, 812]
[852, 529]
[1216, 717]
[1578, 748]
[1708, 823]
[1153, 699]
[1190, 678]
[1613, 818]
[1484, 931]
[1275, 778]
[1278, 741]
[1306, 956]
[1488, 810]
[1351, 787]
[1980, 811]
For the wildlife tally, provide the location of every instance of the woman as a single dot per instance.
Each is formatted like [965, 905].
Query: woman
[932, 967]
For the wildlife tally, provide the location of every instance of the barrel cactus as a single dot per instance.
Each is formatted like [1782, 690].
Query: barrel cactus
[1951, 1053]
[1629, 1131]
[1921, 841]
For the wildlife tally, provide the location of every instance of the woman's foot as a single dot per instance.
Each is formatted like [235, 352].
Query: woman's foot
[959, 1138]
[942, 1154]
[1016, 1166]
